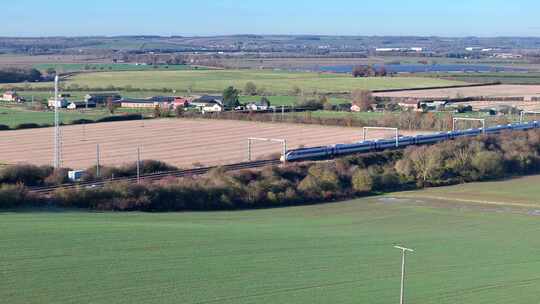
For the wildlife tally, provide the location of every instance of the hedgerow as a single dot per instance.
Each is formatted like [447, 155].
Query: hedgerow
[451, 162]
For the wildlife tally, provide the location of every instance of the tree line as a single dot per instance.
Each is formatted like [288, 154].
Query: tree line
[12, 75]
[459, 161]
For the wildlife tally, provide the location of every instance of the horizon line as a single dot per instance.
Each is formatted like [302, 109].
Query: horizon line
[263, 35]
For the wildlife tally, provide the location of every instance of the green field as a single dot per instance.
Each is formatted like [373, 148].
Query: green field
[275, 82]
[334, 253]
[523, 191]
[76, 67]
[13, 116]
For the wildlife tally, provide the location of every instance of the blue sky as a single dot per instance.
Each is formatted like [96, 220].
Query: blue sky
[215, 17]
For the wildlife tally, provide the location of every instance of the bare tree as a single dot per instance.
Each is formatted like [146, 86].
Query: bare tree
[363, 99]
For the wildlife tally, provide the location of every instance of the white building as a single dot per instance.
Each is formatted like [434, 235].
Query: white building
[62, 103]
[212, 108]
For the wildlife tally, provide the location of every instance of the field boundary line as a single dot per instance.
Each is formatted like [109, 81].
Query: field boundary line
[439, 87]
[460, 200]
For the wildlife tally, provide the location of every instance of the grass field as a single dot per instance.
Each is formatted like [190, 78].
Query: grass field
[335, 253]
[76, 67]
[14, 116]
[275, 82]
[523, 191]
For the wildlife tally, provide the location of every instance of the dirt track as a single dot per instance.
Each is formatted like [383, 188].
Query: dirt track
[178, 142]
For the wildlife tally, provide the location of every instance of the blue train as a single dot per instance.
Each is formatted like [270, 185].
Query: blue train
[403, 142]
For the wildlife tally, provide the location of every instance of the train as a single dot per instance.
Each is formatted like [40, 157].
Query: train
[327, 152]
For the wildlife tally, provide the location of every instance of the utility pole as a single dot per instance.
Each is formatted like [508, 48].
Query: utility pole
[403, 253]
[249, 150]
[57, 161]
[138, 165]
[97, 161]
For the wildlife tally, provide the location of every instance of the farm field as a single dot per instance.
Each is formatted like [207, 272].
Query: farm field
[336, 114]
[523, 105]
[379, 115]
[13, 116]
[491, 91]
[11, 60]
[180, 142]
[334, 253]
[522, 191]
[76, 67]
[275, 82]
[503, 77]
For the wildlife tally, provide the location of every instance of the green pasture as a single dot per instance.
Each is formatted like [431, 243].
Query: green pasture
[273, 82]
[334, 253]
[13, 116]
[100, 67]
[522, 191]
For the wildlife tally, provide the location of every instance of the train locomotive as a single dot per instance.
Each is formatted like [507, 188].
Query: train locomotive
[326, 152]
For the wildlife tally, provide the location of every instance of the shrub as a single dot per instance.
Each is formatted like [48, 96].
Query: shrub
[29, 175]
[488, 164]
[57, 177]
[362, 181]
[120, 118]
[82, 121]
[4, 128]
[13, 196]
[27, 126]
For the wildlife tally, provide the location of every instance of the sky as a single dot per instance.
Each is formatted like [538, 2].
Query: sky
[451, 18]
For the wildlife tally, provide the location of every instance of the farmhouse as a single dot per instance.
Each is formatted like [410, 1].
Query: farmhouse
[72, 105]
[180, 102]
[11, 96]
[142, 103]
[62, 102]
[261, 105]
[355, 108]
[206, 100]
[212, 108]
[410, 104]
[436, 105]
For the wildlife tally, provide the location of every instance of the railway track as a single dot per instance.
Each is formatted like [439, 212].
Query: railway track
[155, 176]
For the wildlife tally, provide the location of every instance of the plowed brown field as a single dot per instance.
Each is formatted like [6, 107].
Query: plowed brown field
[526, 91]
[176, 141]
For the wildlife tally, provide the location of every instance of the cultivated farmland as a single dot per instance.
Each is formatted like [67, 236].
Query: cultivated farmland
[180, 142]
[334, 253]
[485, 91]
